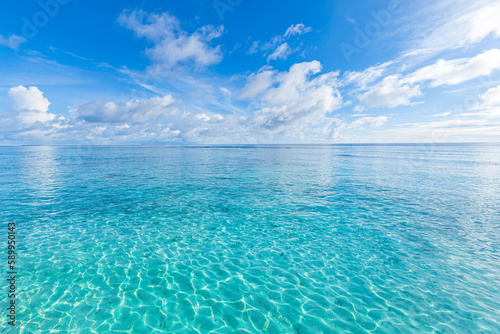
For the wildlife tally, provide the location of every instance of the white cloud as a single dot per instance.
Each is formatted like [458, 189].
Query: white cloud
[398, 90]
[452, 72]
[30, 104]
[390, 92]
[492, 97]
[281, 52]
[482, 22]
[258, 83]
[13, 41]
[296, 29]
[489, 105]
[285, 98]
[28, 98]
[172, 45]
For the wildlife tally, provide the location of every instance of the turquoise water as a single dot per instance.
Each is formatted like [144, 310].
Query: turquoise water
[255, 239]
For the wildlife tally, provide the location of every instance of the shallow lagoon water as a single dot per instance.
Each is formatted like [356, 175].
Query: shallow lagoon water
[255, 239]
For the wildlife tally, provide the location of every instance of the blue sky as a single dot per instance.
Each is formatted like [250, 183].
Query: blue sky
[240, 71]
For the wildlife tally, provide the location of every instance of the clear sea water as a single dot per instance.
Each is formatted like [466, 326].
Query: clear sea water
[254, 239]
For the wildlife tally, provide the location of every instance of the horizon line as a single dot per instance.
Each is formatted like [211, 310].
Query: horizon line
[247, 144]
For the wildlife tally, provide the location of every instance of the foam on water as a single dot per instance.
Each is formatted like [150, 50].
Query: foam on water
[255, 239]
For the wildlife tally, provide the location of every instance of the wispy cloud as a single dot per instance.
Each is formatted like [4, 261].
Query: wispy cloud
[279, 46]
[456, 71]
[296, 29]
[464, 25]
[13, 41]
[363, 78]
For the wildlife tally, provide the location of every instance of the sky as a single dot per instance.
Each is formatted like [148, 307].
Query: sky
[249, 72]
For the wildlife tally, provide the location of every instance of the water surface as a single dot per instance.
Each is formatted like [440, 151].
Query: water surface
[255, 239]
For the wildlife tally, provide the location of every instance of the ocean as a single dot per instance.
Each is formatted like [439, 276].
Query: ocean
[253, 239]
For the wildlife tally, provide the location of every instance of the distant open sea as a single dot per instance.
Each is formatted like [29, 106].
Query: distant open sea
[253, 239]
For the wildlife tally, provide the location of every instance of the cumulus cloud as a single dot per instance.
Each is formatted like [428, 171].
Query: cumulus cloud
[13, 41]
[30, 104]
[390, 92]
[285, 98]
[28, 98]
[172, 45]
[452, 72]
